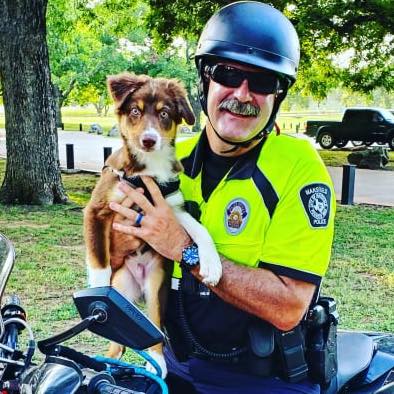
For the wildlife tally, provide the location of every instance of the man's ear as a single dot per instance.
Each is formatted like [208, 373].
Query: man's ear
[184, 108]
[121, 86]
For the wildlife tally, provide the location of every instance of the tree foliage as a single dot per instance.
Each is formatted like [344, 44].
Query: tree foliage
[84, 42]
[88, 42]
[174, 62]
[358, 33]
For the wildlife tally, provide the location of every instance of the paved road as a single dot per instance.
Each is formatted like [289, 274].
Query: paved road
[371, 187]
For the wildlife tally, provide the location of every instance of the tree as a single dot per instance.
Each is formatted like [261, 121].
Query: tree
[32, 173]
[83, 40]
[71, 47]
[90, 95]
[358, 32]
[173, 62]
[90, 40]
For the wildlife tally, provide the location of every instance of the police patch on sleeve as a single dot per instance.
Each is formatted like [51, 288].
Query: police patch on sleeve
[316, 199]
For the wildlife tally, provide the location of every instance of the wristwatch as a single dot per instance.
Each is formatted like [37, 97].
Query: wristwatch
[190, 257]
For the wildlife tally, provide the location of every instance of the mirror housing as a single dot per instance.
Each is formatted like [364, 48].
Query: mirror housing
[120, 320]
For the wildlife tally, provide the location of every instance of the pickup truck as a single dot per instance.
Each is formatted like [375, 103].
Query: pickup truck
[359, 125]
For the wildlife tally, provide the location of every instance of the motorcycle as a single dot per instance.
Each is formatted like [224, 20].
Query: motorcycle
[104, 312]
[364, 362]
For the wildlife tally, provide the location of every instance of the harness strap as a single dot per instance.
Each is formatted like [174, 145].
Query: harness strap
[135, 182]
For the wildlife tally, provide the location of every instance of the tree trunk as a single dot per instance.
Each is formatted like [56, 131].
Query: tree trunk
[195, 103]
[58, 99]
[99, 109]
[193, 93]
[33, 171]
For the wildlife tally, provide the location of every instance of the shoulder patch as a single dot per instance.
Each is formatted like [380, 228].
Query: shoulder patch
[316, 199]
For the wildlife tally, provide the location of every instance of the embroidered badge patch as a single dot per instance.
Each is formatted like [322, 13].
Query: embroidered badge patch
[236, 216]
[316, 199]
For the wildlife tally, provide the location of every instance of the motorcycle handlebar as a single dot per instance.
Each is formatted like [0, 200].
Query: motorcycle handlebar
[80, 358]
[104, 387]
[104, 383]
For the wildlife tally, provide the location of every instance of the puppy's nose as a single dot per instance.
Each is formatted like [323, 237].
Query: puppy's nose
[149, 141]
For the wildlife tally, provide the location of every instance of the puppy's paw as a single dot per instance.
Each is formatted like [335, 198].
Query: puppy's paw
[159, 358]
[115, 351]
[210, 268]
[98, 277]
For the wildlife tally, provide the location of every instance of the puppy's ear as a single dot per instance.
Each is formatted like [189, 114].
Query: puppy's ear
[123, 85]
[179, 93]
[186, 111]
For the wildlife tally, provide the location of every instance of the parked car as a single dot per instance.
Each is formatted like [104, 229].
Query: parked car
[359, 125]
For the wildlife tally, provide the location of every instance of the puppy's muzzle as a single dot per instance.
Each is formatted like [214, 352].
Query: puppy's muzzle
[150, 141]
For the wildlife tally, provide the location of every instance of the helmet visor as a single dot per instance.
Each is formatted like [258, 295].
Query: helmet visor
[260, 82]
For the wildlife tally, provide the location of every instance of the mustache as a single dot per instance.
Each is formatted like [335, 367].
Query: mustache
[235, 106]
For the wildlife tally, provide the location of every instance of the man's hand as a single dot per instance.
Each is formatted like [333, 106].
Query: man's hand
[159, 226]
[122, 244]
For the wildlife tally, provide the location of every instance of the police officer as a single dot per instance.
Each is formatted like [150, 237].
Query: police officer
[267, 201]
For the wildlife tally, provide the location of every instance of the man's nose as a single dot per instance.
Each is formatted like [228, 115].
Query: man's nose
[242, 92]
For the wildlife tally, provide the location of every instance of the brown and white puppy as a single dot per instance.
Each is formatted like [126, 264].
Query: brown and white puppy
[149, 111]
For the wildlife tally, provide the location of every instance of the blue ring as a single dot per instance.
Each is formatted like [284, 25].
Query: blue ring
[138, 219]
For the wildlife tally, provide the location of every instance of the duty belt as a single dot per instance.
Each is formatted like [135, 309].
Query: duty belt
[190, 285]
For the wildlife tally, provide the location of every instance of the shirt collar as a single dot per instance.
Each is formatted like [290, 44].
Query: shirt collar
[192, 164]
[242, 169]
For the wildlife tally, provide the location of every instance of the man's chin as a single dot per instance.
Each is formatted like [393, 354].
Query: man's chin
[235, 131]
[236, 136]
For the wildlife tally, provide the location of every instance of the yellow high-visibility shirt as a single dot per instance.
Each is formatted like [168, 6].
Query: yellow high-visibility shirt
[274, 209]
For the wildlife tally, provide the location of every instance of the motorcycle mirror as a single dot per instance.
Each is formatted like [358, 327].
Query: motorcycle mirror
[7, 259]
[119, 320]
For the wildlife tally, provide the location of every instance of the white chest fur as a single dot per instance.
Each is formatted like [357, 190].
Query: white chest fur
[158, 164]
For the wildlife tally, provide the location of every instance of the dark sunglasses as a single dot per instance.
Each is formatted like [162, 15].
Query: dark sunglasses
[259, 82]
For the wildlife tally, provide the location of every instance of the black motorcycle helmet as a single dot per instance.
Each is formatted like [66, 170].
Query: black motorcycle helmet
[254, 34]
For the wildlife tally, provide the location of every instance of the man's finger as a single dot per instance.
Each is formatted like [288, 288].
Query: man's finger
[127, 202]
[130, 230]
[137, 197]
[125, 211]
[153, 189]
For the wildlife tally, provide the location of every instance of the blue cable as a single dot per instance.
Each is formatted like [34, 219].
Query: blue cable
[137, 370]
[150, 360]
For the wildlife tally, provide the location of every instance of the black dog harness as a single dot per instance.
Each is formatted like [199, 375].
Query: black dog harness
[166, 188]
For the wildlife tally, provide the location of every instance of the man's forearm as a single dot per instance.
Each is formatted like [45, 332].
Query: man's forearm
[280, 300]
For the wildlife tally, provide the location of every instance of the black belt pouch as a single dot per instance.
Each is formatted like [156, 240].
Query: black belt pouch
[261, 349]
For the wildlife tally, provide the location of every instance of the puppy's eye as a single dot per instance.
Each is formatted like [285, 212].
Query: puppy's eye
[135, 112]
[164, 115]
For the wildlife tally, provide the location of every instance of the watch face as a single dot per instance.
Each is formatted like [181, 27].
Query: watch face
[190, 255]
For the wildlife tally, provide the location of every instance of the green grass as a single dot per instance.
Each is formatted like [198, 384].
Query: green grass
[72, 117]
[361, 275]
[50, 263]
